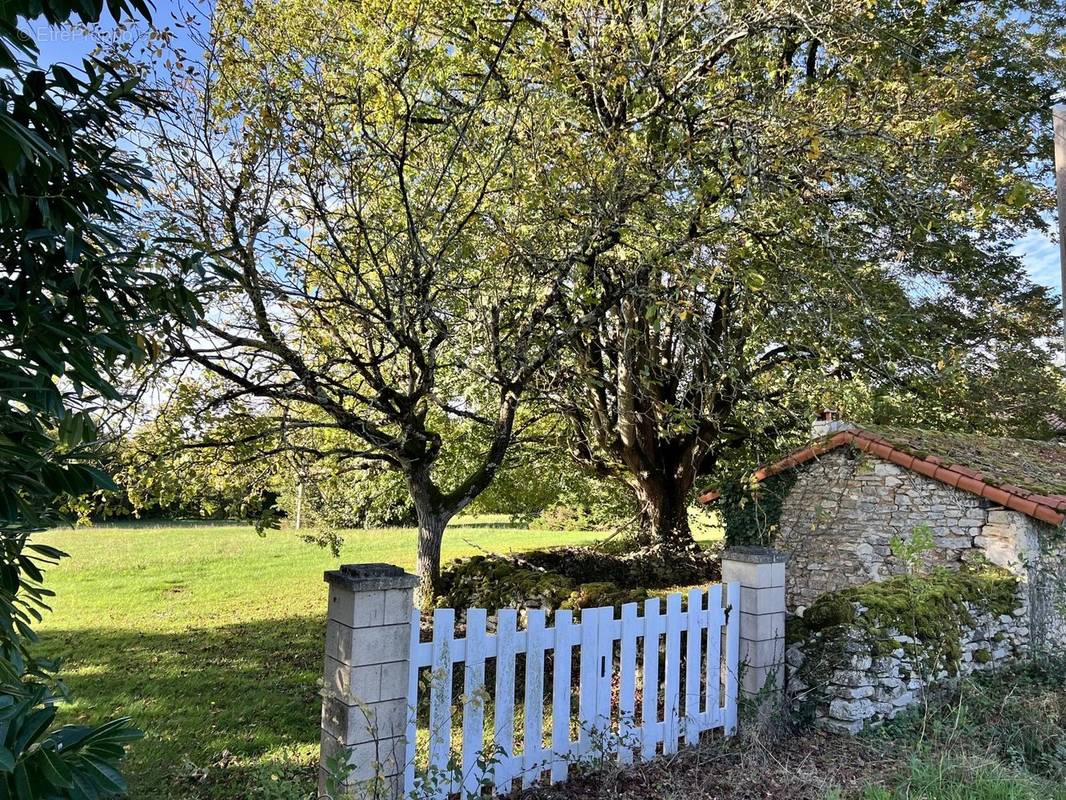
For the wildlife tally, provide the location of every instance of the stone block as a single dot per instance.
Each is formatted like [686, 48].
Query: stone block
[398, 606]
[753, 575]
[852, 692]
[370, 760]
[364, 646]
[356, 609]
[762, 626]
[761, 652]
[904, 700]
[365, 722]
[860, 662]
[762, 601]
[851, 710]
[754, 680]
[840, 726]
[845, 677]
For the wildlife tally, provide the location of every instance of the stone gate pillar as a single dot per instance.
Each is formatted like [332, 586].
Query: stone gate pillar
[760, 571]
[364, 691]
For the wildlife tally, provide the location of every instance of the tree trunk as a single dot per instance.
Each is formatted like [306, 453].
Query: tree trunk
[430, 535]
[432, 520]
[664, 513]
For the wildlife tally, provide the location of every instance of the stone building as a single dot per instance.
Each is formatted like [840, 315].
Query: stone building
[943, 498]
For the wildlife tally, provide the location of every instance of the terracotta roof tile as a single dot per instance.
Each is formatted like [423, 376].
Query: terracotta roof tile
[1021, 474]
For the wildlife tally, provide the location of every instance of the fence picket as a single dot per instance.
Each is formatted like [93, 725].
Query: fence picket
[474, 700]
[411, 730]
[561, 694]
[532, 743]
[715, 619]
[732, 657]
[693, 646]
[671, 687]
[440, 699]
[714, 665]
[627, 682]
[588, 686]
[503, 720]
[605, 646]
[649, 720]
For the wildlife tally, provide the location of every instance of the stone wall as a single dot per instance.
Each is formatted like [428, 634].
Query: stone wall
[846, 507]
[849, 682]
[1036, 552]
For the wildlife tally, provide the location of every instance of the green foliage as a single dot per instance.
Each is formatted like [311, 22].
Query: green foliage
[500, 582]
[889, 291]
[973, 778]
[751, 511]
[76, 303]
[337, 497]
[911, 551]
[999, 734]
[168, 468]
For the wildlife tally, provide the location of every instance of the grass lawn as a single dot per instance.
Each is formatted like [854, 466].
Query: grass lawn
[211, 638]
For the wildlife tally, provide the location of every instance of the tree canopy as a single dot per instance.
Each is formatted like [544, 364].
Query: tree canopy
[682, 226]
[76, 307]
[851, 224]
[408, 205]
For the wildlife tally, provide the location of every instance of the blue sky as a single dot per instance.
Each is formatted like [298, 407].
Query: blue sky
[1041, 257]
[1039, 253]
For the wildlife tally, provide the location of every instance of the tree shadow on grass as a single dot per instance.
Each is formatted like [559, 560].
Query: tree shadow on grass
[216, 704]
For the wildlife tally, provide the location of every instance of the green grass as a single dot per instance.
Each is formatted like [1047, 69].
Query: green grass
[954, 778]
[999, 735]
[211, 638]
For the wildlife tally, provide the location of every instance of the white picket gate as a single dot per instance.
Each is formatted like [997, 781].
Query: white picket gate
[698, 690]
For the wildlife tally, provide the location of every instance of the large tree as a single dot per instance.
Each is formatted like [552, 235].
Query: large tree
[410, 206]
[849, 226]
[77, 305]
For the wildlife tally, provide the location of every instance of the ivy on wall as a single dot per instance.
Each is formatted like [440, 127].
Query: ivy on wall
[752, 511]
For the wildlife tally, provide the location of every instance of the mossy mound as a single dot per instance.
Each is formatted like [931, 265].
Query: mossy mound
[931, 609]
[569, 577]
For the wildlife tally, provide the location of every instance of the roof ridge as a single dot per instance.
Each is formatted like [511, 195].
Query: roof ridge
[1050, 507]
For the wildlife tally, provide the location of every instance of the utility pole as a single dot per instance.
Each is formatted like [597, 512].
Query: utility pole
[1058, 112]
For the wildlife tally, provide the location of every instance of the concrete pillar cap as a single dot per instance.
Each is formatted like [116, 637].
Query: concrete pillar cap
[369, 577]
[752, 554]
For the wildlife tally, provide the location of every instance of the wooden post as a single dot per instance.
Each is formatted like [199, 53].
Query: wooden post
[299, 503]
[1059, 114]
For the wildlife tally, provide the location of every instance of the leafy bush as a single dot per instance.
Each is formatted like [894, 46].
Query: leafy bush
[1016, 714]
[752, 511]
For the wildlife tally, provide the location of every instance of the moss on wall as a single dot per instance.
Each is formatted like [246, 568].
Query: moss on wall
[932, 609]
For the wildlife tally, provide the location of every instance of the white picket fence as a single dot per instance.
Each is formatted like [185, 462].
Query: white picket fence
[698, 693]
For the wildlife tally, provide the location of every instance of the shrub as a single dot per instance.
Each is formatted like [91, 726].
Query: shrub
[603, 593]
[1016, 714]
